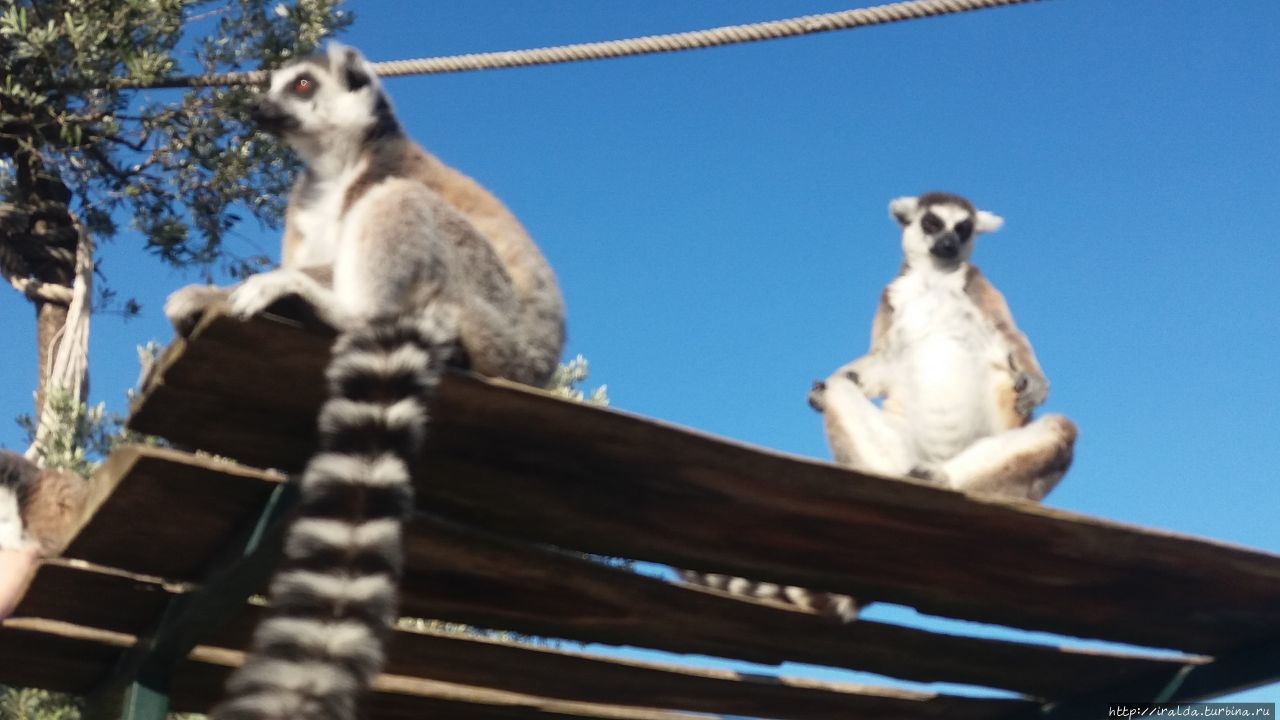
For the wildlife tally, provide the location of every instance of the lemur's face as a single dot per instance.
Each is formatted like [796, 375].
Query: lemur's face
[321, 101]
[940, 227]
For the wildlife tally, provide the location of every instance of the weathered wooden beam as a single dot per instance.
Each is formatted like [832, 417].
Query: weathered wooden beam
[529, 465]
[465, 575]
[51, 660]
[1251, 666]
[60, 649]
[139, 685]
[468, 659]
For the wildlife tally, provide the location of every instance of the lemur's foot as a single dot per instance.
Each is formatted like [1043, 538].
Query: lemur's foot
[866, 373]
[817, 396]
[934, 475]
[185, 306]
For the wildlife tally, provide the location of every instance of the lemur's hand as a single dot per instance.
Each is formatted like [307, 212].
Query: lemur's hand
[1031, 391]
[259, 292]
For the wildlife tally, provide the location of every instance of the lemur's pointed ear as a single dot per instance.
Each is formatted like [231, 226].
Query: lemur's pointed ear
[903, 208]
[356, 72]
[988, 222]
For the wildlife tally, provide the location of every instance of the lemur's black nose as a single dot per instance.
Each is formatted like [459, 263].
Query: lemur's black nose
[263, 110]
[945, 247]
[269, 116]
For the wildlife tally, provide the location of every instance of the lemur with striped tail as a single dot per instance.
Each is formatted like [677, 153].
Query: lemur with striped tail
[417, 267]
[957, 378]
[959, 381]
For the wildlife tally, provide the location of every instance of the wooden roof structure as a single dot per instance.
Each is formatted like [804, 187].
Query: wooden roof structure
[150, 604]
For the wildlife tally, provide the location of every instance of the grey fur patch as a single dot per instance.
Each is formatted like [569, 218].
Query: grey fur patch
[18, 477]
[18, 474]
[945, 198]
[389, 157]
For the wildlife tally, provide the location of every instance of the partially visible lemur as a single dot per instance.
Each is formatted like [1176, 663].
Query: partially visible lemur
[958, 379]
[423, 262]
[838, 607]
[17, 478]
[39, 509]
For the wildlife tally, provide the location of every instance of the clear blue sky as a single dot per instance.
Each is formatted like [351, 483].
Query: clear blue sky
[718, 219]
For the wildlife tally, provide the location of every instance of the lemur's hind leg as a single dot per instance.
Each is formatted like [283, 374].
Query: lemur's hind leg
[184, 306]
[861, 435]
[1024, 463]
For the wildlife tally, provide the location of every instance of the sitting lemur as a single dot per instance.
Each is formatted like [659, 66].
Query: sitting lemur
[416, 266]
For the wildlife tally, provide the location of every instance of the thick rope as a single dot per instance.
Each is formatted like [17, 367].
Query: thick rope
[68, 369]
[14, 268]
[675, 42]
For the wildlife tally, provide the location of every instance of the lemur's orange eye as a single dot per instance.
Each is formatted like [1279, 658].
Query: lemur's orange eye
[303, 86]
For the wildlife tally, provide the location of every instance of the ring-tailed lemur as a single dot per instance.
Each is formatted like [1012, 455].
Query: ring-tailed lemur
[958, 379]
[17, 478]
[38, 512]
[423, 261]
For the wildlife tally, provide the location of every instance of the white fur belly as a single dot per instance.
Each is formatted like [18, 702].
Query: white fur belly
[941, 350]
[944, 388]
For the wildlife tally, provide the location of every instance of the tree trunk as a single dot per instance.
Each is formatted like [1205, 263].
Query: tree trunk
[46, 250]
[51, 318]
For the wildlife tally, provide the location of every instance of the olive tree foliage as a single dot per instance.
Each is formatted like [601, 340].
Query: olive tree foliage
[31, 704]
[568, 379]
[181, 165]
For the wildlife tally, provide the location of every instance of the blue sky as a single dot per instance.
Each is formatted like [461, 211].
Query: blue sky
[718, 218]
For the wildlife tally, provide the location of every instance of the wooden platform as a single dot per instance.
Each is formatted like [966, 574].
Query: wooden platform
[517, 484]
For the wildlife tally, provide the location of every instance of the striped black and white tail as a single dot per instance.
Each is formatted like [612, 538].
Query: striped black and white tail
[840, 607]
[335, 595]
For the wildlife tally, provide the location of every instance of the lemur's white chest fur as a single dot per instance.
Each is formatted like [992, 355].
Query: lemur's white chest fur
[944, 354]
[321, 219]
[12, 534]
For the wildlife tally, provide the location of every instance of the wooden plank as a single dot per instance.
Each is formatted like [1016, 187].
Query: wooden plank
[208, 503]
[610, 483]
[465, 575]
[141, 679]
[472, 660]
[51, 661]
[226, 380]
[71, 656]
[1253, 666]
